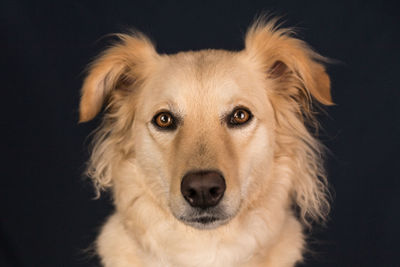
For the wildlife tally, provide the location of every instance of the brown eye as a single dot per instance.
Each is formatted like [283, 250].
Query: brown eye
[239, 117]
[165, 121]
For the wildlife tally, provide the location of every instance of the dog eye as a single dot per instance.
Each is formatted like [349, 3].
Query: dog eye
[165, 121]
[239, 116]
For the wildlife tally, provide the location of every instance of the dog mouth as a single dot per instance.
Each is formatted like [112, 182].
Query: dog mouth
[202, 220]
[206, 221]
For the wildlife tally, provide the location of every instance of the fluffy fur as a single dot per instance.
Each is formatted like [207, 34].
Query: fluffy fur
[270, 165]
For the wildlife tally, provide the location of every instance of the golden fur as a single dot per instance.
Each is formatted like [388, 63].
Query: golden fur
[270, 165]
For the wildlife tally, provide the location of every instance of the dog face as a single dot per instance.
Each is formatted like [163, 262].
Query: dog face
[204, 127]
[202, 133]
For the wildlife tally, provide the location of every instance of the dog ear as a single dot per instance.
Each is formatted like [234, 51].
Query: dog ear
[297, 73]
[288, 59]
[119, 67]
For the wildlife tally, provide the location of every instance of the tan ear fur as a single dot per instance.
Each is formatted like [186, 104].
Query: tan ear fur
[297, 74]
[127, 61]
[265, 41]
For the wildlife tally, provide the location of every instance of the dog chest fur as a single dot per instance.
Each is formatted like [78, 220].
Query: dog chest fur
[165, 248]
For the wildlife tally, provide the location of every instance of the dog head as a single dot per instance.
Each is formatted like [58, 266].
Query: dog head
[205, 134]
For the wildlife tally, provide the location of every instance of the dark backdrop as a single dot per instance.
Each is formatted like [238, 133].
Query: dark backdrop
[47, 214]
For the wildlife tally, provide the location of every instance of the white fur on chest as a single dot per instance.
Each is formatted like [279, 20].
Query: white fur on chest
[176, 245]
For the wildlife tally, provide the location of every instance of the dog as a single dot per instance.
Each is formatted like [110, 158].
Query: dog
[208, 154]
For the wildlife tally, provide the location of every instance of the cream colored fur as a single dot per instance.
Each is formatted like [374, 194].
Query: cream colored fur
[270, 164]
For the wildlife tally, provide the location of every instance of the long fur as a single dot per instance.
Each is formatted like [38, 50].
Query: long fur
[297, 155]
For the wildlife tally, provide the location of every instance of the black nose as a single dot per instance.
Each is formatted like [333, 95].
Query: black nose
[203, 189]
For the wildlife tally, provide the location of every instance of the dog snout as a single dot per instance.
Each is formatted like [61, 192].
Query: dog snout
[203, 189]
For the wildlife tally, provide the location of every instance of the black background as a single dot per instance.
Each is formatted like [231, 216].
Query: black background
[47, 214]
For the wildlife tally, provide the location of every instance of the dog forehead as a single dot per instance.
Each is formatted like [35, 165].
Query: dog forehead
[205, 76]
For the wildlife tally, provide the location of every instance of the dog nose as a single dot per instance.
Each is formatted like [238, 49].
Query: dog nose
[203, 189]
